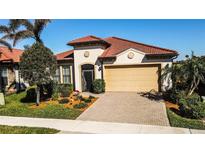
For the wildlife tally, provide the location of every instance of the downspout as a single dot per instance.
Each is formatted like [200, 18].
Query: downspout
[102, 73]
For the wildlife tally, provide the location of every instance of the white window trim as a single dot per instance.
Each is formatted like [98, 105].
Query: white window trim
[62, 73]
[59, 75]
[7, 75]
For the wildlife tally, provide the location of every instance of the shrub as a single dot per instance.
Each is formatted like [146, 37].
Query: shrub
[98, 86]
[91, 97]
[80, 97]
[63, 101]
[55, 91]
[30, 96]
[170, 95]
[178, 121]
[80, 105]
[87, 100]
[191, 106]
[55, 96]
[65, 89]
[50, 88]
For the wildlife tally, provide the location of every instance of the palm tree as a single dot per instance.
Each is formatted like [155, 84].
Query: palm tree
[32, 29]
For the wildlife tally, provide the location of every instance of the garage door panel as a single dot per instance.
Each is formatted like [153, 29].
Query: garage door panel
[131, 78]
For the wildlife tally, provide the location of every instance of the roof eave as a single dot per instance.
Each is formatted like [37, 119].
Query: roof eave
[67, 59]
[7, 61]
[163, 54]
[107, 57]
[78, 43]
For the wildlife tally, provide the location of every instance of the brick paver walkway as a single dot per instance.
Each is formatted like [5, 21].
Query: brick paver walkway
[126, 107]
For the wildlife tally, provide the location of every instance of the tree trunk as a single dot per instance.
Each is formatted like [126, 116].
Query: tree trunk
[37, 95]
[193, 87]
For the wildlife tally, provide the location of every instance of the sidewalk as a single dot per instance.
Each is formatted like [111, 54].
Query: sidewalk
[92, 127]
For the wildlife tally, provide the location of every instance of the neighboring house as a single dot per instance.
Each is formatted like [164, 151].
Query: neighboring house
[124, 65]
[9, 68]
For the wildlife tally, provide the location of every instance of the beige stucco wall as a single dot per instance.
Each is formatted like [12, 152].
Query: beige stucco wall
[122, 59]
[139, 58]
[80, 59]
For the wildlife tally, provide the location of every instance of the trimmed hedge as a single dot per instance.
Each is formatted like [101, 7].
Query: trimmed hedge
[178, 121]
[191, 106]
[63, 90]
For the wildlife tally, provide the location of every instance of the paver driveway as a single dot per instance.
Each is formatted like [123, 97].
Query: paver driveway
[126, 107]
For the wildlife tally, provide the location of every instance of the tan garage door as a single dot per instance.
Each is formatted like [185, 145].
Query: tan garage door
[131, 78]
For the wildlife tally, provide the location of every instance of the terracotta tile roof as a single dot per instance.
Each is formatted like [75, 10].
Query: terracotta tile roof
[86, 39]
[7, 55]
[119, 45]
[64, 55]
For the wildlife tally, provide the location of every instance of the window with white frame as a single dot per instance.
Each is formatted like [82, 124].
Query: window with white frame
[4, 75]
[66, 74]
[57, 75]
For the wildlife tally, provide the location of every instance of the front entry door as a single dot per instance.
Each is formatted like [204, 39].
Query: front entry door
[87, 77]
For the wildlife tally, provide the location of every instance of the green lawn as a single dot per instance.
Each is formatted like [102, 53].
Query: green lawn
[25, 130]
[178, 121]
[15, 107]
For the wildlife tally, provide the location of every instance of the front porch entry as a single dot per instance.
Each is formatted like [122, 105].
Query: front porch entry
[87, 71]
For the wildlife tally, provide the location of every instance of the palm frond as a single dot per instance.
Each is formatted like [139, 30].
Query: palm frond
[21, 35]
[9, 36]
[14, 24]
[27, 24]
[39, 25]
[4, 29]
[6, 44]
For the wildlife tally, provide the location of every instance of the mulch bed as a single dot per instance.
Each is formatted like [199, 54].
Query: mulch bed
[72, 101]
[171, 105]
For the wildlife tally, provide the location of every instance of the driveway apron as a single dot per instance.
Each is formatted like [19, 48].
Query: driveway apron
[126, 107]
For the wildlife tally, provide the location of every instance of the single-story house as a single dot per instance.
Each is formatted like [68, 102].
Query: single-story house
[9, 68]
[124, 65]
